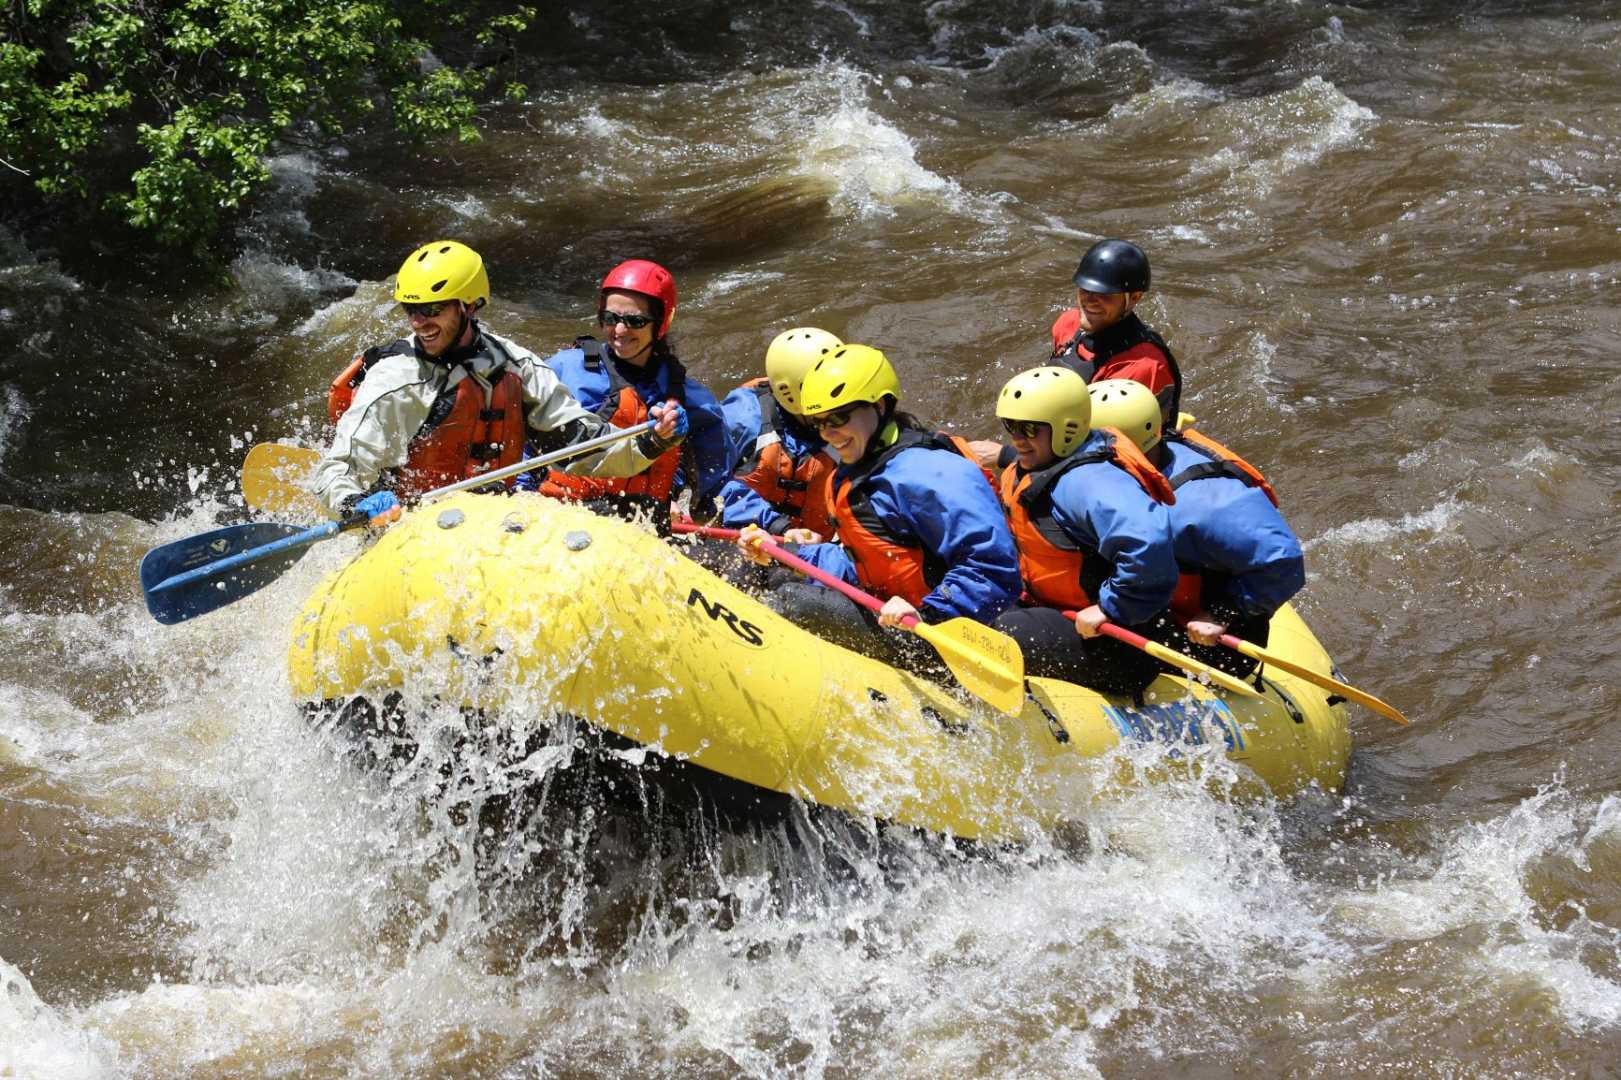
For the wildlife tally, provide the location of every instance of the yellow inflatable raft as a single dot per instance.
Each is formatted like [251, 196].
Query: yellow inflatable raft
[498, 603]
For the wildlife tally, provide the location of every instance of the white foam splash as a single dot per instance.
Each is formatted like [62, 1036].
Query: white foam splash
[169, 1030]
[723, 284]
[871, 162]
[38, 1043]
[38, 728]
[1264, 140]
[863, 25]
[1480, 881]
[1175, 875]
[1438, 519]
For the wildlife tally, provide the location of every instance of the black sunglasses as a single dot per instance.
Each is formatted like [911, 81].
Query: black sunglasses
[427, 311]
[836, 418]
[635, 322]
[1023, 429]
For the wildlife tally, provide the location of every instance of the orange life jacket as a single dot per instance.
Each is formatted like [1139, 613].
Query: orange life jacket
[341, 394]
[1057, 571]
[796, 489]
[468, 430]
[1188, 601]
[888, 562]
[623, 407]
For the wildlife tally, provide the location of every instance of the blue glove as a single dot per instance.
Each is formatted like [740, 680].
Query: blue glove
[680, 418]
[377, 504]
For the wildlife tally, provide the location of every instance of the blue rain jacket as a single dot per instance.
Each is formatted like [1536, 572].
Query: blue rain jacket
[942, 500]
[706, 430]
[1103, 508]
[1222, 525]
[740, 504]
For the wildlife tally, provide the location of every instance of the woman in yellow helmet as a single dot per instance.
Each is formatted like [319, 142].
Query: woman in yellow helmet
[918, 525]
[454, 400]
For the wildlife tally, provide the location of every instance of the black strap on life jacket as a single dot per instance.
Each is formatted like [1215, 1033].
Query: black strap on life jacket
[369, 358]
[598, 357]
[1114, 340]
[444, 400]
[934, 567]
[1038, 506]
[1214, 465]
[768, 435]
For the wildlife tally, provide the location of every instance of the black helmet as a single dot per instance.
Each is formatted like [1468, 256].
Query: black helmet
[1113, 266]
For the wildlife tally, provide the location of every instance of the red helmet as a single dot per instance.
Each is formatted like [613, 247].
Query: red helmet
[651, 280]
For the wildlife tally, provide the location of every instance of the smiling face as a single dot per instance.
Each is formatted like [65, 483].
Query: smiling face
[1099, 311]
[849, 431]
[1035, 448]
[631, 344]
[438, 332]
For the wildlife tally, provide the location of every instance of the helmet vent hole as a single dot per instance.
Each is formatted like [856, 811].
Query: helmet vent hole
[838, 391]
[438, 285]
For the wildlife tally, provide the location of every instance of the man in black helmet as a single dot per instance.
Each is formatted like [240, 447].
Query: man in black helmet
[1102, 337]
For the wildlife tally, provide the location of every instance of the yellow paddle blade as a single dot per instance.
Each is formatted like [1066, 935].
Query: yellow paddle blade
[273, 478]
[987, 662]
[1188, 663]
[1316, 678]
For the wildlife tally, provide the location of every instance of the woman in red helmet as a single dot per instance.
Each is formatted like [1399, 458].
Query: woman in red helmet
[629, 372]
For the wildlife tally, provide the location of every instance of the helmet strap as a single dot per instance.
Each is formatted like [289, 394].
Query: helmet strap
[888, 429]
[467, 328]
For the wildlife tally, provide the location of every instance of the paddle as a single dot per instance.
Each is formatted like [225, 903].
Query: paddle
[987, 662]
[1171, 656]
[709, 532]
[271, 480]
[194, 576]
[1345, 690]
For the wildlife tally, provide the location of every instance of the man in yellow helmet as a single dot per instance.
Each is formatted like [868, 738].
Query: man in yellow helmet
[455, 400]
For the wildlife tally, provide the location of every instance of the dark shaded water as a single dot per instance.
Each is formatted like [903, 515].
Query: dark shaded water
[1386, 244]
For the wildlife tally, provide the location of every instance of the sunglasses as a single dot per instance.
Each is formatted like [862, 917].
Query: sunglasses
[1023, 429]
[427, 311]
[836, 418]
[634, 322]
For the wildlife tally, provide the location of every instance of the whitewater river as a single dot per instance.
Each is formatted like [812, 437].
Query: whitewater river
[1386, 244]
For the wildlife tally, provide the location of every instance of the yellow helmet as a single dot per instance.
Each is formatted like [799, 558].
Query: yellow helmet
[848, 374]
[1049, 395]
[443, 270]
[790, 357]
[1129, 406]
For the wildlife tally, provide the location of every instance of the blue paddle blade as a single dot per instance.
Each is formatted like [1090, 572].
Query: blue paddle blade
[207, 592]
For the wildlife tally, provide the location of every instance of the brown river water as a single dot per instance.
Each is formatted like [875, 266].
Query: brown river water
[1386, 245]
